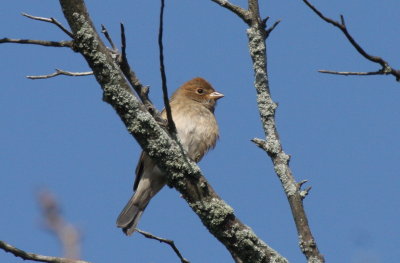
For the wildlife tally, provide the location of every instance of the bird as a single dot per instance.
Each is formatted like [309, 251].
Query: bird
[192, 109]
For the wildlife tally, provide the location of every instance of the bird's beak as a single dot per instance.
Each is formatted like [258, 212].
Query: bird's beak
[216, 95]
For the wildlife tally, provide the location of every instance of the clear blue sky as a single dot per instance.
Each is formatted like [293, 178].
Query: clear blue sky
[342, 132]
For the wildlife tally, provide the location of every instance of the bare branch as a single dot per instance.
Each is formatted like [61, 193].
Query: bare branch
[171, 243]
[386, 68]
[141, 91]
[304, 193]
[171, 124]
[346, 73]
[50, 20]
[301, 183]
[240, 12]
[269, 30]
[105, 32]
[61, 72]
[38, 42]
[35, 257]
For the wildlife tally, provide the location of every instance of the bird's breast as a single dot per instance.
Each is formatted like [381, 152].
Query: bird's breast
[197, 130]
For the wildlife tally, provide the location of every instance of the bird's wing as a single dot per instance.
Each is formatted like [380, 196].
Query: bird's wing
[139, 170]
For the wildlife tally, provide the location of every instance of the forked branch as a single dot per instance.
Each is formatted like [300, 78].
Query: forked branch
[52, 21]
[59, 72]
[386, 69]
[169, 242]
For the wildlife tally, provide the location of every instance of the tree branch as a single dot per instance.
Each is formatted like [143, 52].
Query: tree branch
[270, 29]
[141, 91]
[183, 174]
[386, 68]
[61, 72]
[240, 12]
[38, 42]
[272, 145]
[171, 124]
[35, 257]
[52, 21]
[65, 232]
[105, 32]
[171, 243]
[347, 73]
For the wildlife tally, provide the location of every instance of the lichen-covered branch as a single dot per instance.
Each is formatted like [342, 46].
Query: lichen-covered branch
[183, 174]
[257, 35]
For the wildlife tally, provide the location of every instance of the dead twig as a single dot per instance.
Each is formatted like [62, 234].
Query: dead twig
[171, 243]
[270, 29]
[386, 68]
[171, 124]
[141, 90]
[347, 73]
[105, 32]
[35, 257]
[52, 21]
[61, 72]
[239, 11]
[46, 43]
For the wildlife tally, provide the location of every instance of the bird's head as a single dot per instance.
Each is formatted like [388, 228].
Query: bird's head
[198, 90]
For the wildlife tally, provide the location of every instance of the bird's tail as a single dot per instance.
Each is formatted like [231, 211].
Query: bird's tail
[130, 216]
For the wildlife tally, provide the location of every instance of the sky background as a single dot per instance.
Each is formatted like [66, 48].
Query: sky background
[342, 132]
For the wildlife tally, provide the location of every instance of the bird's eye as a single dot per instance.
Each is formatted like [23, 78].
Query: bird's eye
[200, 91]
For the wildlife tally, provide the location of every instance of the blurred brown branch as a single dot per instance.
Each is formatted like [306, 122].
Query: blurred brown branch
[66, 233]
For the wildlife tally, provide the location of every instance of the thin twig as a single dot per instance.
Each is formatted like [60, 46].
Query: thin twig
[269, 30]
[346, 73]
[61, 72]
[240, 12]
[105, 32]
[171, 124]
[386, 68]
[35, 257]
[37, 42]
[141, 91]
[171, 243]
[50, 20]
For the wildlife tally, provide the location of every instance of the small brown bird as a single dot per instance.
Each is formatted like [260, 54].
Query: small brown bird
[192, 107]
